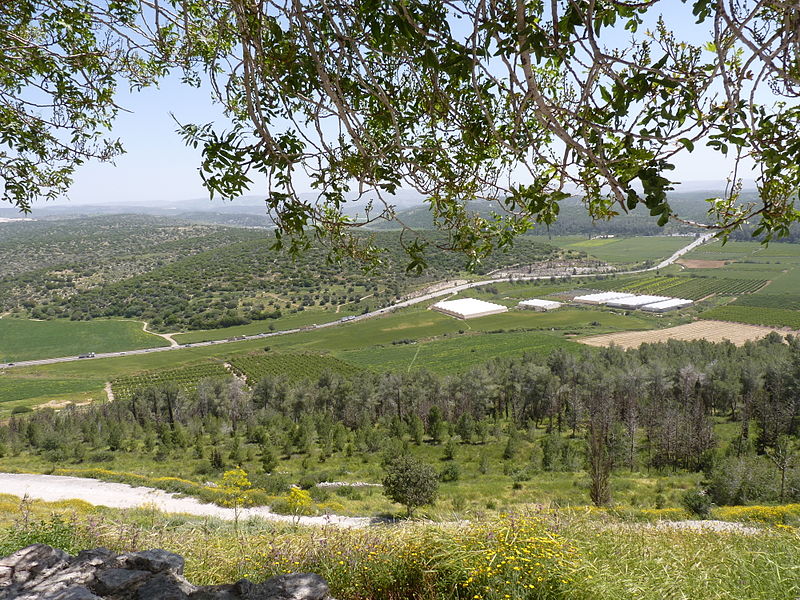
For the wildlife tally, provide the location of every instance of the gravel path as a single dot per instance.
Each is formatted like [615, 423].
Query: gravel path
[120, 495]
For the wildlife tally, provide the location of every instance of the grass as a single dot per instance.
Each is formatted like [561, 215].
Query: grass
[301, 319]
[772, 317]
[18, 392]
[22, 339]
[624, 250]
[543, 555]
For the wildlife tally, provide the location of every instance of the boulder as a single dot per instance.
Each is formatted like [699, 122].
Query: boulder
[40, 572]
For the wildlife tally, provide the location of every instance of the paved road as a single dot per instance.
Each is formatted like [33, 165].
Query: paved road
[375, 313]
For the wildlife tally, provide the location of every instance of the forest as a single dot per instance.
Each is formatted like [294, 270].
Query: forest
[731, 414]
[178, 275]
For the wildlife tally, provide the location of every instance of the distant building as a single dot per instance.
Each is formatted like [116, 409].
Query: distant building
[468, 308]
[540, 305]
[636, 301]
[602, 298]
[667, 305]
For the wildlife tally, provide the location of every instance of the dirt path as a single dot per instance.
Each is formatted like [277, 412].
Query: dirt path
[119, 495]
[109, 392]
[166, 336]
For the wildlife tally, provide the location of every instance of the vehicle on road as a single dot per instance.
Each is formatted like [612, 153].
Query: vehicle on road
[87, 355]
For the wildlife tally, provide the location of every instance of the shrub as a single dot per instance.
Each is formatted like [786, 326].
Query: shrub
[410, 482]
[450, 472]
[697, 502]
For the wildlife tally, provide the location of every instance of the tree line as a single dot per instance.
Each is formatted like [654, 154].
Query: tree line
[657, 408]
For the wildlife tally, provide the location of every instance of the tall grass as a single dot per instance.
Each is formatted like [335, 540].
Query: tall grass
[558, 555]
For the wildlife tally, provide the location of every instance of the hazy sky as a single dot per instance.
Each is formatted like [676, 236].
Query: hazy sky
[158, 167]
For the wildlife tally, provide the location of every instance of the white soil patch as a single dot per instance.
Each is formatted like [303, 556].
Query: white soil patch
[109, 391]
[52, 488]
[702, 264]
[710, 525]
[713, 331]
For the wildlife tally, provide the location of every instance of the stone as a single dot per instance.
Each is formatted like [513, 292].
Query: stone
[164, 587]
[156, 561]
[77, 592]
[292, 586]
[39, 572]
[114, 580]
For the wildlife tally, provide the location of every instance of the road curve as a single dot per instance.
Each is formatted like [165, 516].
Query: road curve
[52, 488]
[375, 313]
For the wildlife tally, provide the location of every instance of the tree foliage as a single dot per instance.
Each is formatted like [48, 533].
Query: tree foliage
[60, 66]
[516, 103]
[410, 482]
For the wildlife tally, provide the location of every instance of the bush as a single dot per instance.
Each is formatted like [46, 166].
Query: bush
[410, 482]
[744, 480]
[450, 472]
[55, 531]
[272, 484]
[697, 502]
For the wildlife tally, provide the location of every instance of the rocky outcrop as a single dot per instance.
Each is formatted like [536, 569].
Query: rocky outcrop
[40, 572]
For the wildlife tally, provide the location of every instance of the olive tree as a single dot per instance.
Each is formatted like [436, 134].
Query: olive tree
[410, 482]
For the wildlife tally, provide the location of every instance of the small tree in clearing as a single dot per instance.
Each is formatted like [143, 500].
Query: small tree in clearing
[235, 485]
[299, 501]
[410, 482]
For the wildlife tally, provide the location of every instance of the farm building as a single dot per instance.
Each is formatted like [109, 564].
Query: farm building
[666, 305]
[636, 301]
[601, 298]
[468, 308]
[540, 305]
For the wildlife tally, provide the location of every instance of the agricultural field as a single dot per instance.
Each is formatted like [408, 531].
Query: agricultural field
[254, 367]
[24, 339]
[773, 317]
[289, 321]
[784, 301]
[20, 393]
[185, 379]
[624, 250]
[712, 331]
[693, 288]
[453, 353]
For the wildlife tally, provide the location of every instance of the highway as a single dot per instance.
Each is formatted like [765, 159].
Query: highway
[353, 319]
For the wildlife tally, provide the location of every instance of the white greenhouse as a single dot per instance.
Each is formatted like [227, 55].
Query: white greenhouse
[601, 298]
[468, 308]
[540, 305]
[636, 301]
[667, 305]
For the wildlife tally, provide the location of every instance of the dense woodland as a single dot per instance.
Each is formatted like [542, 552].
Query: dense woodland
[660, 408]
[178, 275]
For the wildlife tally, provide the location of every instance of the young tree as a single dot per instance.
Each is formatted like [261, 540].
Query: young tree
[410, 482]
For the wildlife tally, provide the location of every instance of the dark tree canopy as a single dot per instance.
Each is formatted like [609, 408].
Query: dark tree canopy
[520, 104]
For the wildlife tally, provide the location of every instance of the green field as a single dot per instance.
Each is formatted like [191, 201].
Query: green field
[693, 288]
[22, 339]
[301, 319]
[293, 366]
[458, 353]
[185, 378]
[28, 391]
[624, 250]
[772, 317]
